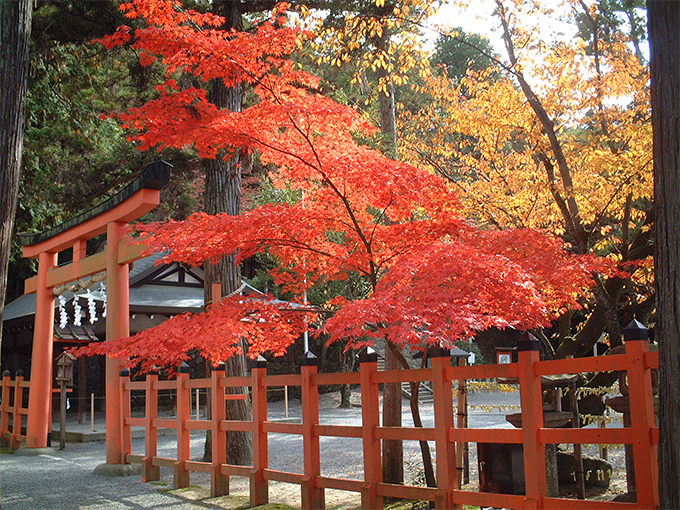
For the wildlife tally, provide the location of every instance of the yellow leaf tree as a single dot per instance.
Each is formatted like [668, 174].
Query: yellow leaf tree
[556, 136]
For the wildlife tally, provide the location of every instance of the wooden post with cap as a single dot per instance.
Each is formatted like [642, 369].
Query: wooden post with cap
[126, 412]
[4, 408]
[312, 494]
[370, 413]
[181, 473]
[531, 398]
[219, 483]
[642, 420]
[447, 466]
[149, 471]
[259, 486]
[15, 442]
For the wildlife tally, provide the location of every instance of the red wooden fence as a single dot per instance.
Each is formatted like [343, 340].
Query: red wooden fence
[12, 409]
[642, 434]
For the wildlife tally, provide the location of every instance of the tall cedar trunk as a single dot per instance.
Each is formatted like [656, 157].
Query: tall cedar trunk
[664, 41]
[223, 195]
[15, 32]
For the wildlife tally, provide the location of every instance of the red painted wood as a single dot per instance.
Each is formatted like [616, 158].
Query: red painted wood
[117, 326]
[219, 484]
[531, 397]
[370, 412]
[447, 468]
[4, 403]
[142, 202]
[40, 396]
[642, 422]
[533, 438]
[125, 415]
[182, 474]
[259, 488]
[312, 494]
[16, 437]
[149, 471]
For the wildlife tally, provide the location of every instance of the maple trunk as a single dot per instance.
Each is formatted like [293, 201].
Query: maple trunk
[346, 389]
[223, 195]
[393, 450]
[664, 39]
[15, 31]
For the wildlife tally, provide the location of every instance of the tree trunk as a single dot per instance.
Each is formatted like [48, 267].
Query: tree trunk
[15, 33]
[393, 449]
[223, 195]
[664, 41]
[388, 119]
[346, 389]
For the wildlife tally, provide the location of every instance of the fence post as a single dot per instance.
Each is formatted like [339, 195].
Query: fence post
[219, 483]
[312, 495]
[149, 471]
[15, 442]
[4, 414]
[182, 475]
[370, 414]
[642, 419]
[447, 468]
[531, 398]
[126, 412]
[259, 487]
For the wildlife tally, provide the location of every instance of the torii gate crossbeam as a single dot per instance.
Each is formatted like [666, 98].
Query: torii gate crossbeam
[110, 217]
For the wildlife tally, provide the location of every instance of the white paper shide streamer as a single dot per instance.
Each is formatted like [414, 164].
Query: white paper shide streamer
[63, 316]
[76, 310]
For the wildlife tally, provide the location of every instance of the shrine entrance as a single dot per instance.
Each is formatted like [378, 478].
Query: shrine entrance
[111, 218]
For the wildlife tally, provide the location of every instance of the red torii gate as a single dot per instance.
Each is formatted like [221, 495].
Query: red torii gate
[111, 217]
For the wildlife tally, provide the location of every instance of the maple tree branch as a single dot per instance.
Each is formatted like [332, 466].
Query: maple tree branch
[625, 226]
[378, 219]
[561, 203]
[604, 125]
[571, 213]
[626, 182]
[343, 197]
[438, 168]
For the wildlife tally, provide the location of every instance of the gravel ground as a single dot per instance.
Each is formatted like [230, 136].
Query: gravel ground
[65, 479]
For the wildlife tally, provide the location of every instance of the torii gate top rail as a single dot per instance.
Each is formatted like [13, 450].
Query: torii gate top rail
[111, 217]
[125, 206]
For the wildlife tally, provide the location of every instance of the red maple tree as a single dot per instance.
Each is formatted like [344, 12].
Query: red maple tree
[434, 277]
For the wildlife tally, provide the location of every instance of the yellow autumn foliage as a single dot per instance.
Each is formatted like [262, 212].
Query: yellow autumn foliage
[485, 136]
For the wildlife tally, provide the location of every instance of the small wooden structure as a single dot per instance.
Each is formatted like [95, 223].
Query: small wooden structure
[64, 377]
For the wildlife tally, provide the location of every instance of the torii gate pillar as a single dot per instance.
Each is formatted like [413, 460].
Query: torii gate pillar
[117, 326]
[110, 217]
